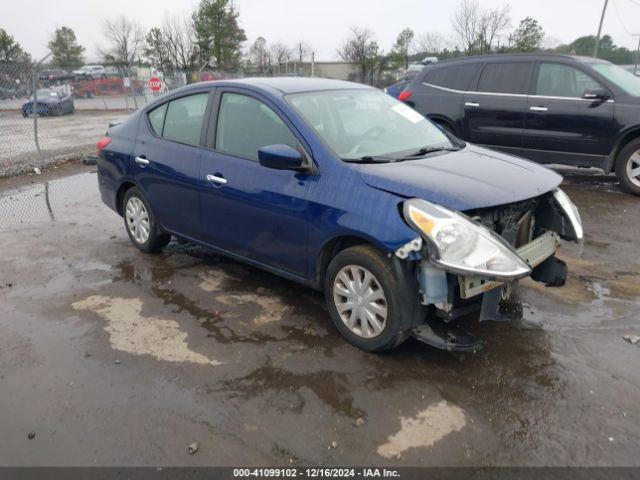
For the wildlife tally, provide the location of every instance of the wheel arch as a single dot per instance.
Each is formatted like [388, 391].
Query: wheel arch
[122, 190]
[623, 140]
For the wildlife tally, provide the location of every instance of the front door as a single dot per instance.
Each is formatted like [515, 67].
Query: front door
[249, 210]
[561, 125]
[494, 113]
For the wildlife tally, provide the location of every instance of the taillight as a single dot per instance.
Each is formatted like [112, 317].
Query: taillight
[405, 95]
[103, 143]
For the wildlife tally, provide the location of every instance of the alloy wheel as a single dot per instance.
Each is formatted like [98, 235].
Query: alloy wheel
[360, 301]
[633, 168]
[137, 220]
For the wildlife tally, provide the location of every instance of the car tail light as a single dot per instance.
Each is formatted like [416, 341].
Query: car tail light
[103, 143]
[405, 95]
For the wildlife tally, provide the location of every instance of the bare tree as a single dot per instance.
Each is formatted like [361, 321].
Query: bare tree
[491, 23]
[432, 42]
[361, 49]
[477, 29]
[180, 40]
[259, 55]
[124, 43]
[281, 55]
[465, 22]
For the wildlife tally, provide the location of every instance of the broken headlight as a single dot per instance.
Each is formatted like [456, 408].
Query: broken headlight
[570, 211]
[461, 245]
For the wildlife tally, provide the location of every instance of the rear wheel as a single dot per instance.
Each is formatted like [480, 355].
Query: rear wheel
[628, 167]
[140, 223]
[363, 300]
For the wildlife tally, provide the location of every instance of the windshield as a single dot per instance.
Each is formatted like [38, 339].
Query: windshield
[367, 123]
[46, 94]
[626, 80]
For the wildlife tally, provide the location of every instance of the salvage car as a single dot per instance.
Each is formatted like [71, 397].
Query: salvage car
[49, 102]
[344, 189]
[550, 108]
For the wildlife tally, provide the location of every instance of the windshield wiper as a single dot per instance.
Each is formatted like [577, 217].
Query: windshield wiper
[427, 150]
[370, 159]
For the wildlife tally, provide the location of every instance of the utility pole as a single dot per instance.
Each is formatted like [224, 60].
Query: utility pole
[34, 108]
[604, 10]
[635, 67]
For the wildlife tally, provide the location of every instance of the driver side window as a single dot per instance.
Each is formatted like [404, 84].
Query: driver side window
[556, 80]
[246, 124]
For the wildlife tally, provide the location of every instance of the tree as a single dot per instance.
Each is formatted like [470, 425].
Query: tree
[64, 47]
[218, 35]
[156, 50]
[179, 36]
[10, 50]
[478, 29]
[607, 51]
[528, 36]
[124, 43]
[259, 55]
[362, 50]
[402, 46]
[281, 55]
[432, 43]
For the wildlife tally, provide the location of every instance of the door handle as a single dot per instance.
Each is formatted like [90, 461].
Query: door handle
[472, 104]
[538, 109]
[217, 180]
[142, 161]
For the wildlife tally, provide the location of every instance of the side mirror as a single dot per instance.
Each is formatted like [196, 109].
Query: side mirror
[280, 157]
[595, 94]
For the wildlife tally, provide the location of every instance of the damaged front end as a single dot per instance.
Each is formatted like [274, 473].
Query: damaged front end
[473, 261]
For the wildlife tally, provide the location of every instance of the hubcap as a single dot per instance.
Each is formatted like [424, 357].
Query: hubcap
[360, 301]
[633, 168]
[137, 220]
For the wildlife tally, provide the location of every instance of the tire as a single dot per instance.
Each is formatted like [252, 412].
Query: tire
[57, 111]
[134, 209]
[629, 159]
[365, 259]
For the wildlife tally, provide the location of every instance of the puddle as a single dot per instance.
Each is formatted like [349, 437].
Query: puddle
[131, 332]
[425, 429]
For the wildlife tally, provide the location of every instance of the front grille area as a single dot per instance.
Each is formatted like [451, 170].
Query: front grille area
[515, 222]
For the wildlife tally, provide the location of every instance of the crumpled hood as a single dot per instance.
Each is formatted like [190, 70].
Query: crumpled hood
[470, 178]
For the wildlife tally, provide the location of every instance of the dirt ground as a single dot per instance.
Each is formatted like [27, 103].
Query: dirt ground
[113, 357]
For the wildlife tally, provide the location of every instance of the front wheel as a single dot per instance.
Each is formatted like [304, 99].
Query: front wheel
[363, 299]
[628, 167]
[140, 223]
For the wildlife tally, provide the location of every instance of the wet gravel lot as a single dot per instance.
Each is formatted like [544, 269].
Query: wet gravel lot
[113, 357]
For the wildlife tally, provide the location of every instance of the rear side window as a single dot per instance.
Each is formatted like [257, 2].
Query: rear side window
[456, 77]
[246, 124]
[505, 77]
[156, 118]
[556, 80]
[183, 119]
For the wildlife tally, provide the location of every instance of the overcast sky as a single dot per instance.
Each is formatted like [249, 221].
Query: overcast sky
[323, 24]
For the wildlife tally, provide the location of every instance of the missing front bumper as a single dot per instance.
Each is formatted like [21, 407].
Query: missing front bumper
[533, 253]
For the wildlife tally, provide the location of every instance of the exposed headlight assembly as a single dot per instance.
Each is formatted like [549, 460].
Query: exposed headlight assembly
[462, 246]
[570, 211]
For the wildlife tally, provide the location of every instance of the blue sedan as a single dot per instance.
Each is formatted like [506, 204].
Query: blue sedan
[344, 189]
[49, 102]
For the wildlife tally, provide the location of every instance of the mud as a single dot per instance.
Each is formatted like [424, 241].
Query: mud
[114, 357]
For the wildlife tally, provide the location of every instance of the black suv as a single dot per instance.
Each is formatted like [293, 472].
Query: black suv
[549, 108]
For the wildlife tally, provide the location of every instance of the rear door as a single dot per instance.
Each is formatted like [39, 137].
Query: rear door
[168, 152]
[561, 125]
[256, 212]
[494, 114]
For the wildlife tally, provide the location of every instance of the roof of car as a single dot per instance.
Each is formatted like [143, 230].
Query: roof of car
[288, 85]
[516, 56]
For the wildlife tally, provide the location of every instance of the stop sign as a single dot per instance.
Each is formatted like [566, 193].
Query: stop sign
[155, 84]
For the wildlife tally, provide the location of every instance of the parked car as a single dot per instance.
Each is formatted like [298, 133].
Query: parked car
[342, 188]
[50, 102]
[549, 108]
[102, 86]
[7, 93]
[396, 88]
[89, 72]
[55, 76]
